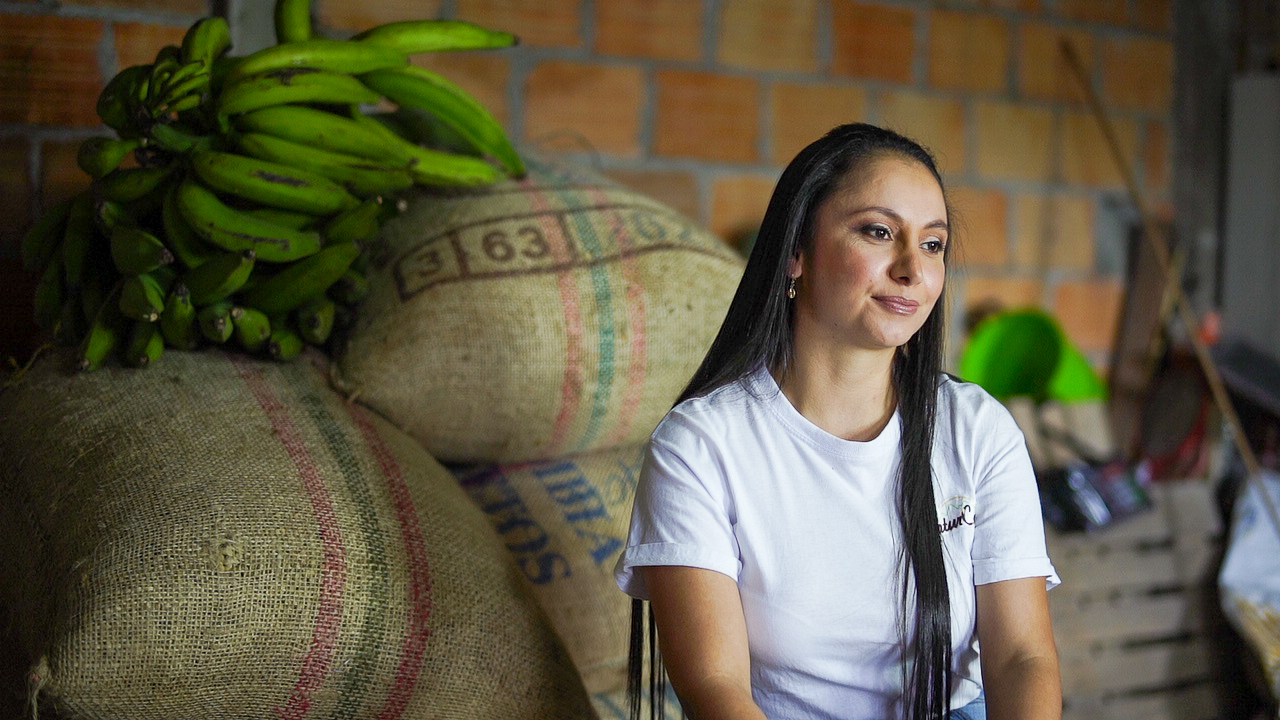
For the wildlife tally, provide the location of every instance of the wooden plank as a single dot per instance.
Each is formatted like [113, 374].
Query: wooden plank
[1199, 560]
[1197, 702]
[1123, 567]
[1109, 669]
[1086, 617]
[1151, 526]
[1191, 507]
[1130, 613]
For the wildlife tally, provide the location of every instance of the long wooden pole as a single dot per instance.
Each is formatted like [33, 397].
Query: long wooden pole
[1181, 305]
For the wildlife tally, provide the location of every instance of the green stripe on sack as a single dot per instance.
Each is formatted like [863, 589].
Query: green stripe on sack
[607, 340]
[373, 632]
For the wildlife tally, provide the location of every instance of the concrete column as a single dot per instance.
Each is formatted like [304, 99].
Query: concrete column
[252, 24]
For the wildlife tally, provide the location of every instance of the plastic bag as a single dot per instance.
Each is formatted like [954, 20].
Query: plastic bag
[1250, 576]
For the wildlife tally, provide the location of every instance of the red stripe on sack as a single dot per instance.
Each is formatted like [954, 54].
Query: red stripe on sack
[637, 362]
[574, 372]
[316, 664]
[415, 546]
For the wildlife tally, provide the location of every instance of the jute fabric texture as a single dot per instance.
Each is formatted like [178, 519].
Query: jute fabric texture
[220, 537]
[565, 522]
[536, 318]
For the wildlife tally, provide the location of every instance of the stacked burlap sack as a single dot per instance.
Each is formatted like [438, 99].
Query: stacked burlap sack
[531, 336]
[222, 537]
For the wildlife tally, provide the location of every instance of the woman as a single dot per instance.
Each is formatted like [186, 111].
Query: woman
[807, 548]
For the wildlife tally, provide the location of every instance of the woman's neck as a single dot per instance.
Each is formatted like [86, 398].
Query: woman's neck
[849, 394]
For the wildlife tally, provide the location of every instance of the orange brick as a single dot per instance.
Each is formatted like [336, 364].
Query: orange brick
[768, 35]
[138, 43]
[678, 190]
[937, 123]
[1156, 158]
[1089, 312]
[1055, 233]
[1110, 12]
[600, 103]
[60, 176]
[352, 17]
[984, 294]
[539, 23]
[182, 7]
[49, 73]
[738, 203]
[980, 226]
[15, 193]
[804, 113]
[483, 75]
[888, 57]
[968, 51]
[1138, 74]
[1087, 159]
[1154, 15]
[707, 116]
[1014, 141]
[661, 29]
[1043, 70]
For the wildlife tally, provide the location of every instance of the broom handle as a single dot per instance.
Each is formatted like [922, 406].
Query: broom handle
[1181, 305]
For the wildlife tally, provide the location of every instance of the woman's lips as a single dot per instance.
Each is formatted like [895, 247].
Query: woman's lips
[898, 305]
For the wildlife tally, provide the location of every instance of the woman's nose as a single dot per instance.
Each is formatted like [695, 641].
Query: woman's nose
[906, 266]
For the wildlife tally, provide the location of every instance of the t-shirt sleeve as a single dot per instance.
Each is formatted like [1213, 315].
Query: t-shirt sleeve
[682, 513]
[1009, 538]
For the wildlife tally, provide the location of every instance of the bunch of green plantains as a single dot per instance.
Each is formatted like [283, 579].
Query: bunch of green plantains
[253, 182]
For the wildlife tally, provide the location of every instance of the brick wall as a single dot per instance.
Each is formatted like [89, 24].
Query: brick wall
[701, 102]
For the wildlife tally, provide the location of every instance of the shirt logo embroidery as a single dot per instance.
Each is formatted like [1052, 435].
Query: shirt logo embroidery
[955, 512]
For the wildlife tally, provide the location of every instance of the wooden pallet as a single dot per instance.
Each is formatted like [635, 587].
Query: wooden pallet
[1135, 614]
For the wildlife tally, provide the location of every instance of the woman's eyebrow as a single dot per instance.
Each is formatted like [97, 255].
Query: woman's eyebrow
[898, 218]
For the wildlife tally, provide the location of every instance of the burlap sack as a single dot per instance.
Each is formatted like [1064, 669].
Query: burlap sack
[565, 521]
[218, 537]
[536, 318]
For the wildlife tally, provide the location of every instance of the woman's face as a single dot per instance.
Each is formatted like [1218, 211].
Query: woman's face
[874, 268]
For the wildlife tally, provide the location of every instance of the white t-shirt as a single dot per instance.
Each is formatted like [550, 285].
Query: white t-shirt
[739, 482]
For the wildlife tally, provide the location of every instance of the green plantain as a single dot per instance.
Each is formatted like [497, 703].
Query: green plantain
[271, 183]
[178, 320]
[292, 20]
[144, 344]
[341, 56]
[362, 178]
[314, 319]
[218, 277]
[98, 156]
[41, 241]
[230, 229]
[215, 321]
[412, 37]
[302, 280]
[252, 329]
[292, 85]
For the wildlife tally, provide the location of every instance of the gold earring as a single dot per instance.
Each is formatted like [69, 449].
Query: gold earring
[791, 290]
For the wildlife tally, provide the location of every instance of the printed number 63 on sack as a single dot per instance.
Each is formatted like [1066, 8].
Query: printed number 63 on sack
[479, 251]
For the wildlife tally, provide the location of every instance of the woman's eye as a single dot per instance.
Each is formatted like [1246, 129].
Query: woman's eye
[879, 232]
[934, 247]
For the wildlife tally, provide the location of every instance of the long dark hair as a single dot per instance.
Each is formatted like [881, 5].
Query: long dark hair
[758, 330]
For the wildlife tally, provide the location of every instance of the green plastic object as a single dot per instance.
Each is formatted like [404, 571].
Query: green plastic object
[1025, 353]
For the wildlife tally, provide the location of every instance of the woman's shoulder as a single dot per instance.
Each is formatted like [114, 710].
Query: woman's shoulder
[967, 406]
[713, 413]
